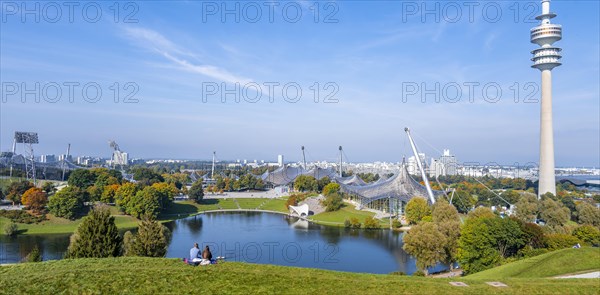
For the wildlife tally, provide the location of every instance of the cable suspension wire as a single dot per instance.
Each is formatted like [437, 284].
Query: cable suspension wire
[493, 192]
[430, 145]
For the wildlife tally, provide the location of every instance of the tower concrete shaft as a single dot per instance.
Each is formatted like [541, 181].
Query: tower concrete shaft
[546, 170]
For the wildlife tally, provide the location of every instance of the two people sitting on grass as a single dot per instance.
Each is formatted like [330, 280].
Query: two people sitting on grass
[197, 257]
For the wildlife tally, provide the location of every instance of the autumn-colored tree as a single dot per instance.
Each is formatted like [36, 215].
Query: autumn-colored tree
[109, 193]
[416, 209]
[35, 198]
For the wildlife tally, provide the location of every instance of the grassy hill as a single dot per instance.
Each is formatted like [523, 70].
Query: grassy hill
[551, 264]
[159, 276]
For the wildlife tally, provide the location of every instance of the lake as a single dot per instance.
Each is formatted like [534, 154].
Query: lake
[262, 238]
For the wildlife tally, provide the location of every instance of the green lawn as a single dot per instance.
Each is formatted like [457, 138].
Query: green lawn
[338, 217]
[56, 225]
[227, 204]
[551, 264]
[254, 203]
[275, 205]
[171, 276]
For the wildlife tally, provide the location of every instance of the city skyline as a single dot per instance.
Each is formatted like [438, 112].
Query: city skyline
[176, 55]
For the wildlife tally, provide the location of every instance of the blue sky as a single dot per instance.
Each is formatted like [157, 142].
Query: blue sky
[368, 51]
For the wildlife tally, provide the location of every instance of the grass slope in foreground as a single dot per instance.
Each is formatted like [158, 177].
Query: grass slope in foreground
[134, 275]
[565, 261]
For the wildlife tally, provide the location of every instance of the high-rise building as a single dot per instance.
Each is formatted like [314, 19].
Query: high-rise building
[546, 58]
[280, 160]
[47, 158]
[449, 163]
[412, 165]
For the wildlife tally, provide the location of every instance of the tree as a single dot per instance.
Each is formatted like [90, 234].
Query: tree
[146, 176]
[167, 193]
[124, 194]
[554, 214]
[48, 187]
[448, 221]
[424, 242]
[16, 189]
[322, 183]
[587, 234]
[146, 202]
[475, 246]
[196, 192]
[35, 199]
[81, 178]
[96, 237]
[331, 188]
[416, 209]
[109, 193]
[481, 212]
[333, 202]
[151, 240]
[484, 242]
[588, 214]
[305, 183]
[67, 203]
[507, 235]
[527, 208]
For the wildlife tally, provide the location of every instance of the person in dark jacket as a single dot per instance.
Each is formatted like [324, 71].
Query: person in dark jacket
[206, 254]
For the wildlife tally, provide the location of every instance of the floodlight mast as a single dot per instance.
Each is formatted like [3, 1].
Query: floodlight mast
[64, 162]
[418, 160]
[28, 139]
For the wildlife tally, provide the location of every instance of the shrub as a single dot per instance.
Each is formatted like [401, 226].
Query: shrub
[20, 216]
[397, 273]
[11, 229]
[34, 256]
[151, 240]
[96, 237]
[396, 223]
[587, 234]
[291, 201]
[355, 223]
[347, 223]
[529, 251]
[418, 273]
[371, 223]
[560, 241]
[333, 202]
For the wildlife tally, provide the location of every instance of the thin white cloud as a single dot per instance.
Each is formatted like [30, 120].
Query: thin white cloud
[157, 42]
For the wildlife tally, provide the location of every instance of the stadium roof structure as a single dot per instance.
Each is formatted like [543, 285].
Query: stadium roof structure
[351, 180]
[401, 186]
[287, 174]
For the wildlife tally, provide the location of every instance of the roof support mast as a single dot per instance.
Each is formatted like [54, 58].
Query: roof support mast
[418, 160]
[303, 158]
[341, 152]
[212, 174]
